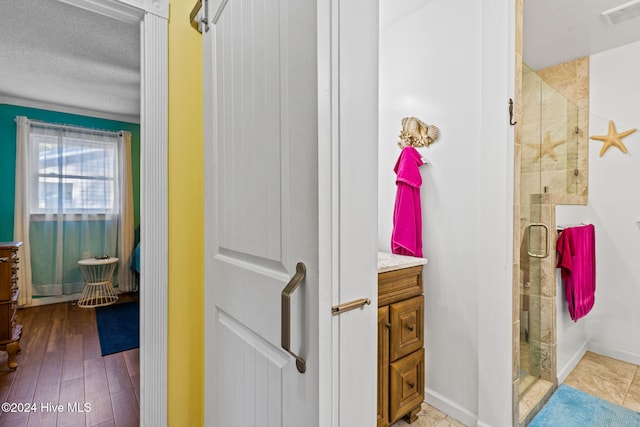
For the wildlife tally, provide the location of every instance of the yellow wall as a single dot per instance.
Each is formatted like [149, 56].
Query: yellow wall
[186, 271]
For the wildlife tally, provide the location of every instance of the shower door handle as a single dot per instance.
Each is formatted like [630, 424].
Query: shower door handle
[296, 280]
[546, 240]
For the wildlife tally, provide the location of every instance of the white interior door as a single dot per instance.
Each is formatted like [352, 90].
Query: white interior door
[261, 212]
[290, 116]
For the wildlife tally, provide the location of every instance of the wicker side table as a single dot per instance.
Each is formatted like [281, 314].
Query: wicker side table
[98, 289]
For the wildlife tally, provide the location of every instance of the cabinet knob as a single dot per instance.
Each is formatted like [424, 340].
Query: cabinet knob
[410, 327]
[388, 326]
[412, 384]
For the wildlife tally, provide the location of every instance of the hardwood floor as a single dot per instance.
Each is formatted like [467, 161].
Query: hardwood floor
[62, 377]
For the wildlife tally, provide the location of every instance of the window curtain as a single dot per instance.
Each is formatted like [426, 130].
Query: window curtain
[126, 278]
[72, 205]
[21, 214]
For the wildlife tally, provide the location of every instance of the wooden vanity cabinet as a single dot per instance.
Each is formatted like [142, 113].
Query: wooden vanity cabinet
[400, 345]
[10, 331]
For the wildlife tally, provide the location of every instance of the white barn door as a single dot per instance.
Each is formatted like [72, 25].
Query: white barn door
[274, 200]
[261, 212]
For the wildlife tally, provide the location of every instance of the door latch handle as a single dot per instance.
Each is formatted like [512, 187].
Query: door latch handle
[293, 284]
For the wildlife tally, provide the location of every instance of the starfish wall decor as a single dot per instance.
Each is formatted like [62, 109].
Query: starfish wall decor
[613, 138]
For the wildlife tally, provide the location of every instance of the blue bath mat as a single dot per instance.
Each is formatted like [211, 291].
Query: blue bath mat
[118, 327]
[568, 407]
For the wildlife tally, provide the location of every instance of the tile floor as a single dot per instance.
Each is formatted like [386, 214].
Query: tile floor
[601, 376]
[607, 378]
[430, 417]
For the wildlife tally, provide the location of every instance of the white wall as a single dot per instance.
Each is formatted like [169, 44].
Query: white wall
[571, 336]
[436, 64]
[613, 326]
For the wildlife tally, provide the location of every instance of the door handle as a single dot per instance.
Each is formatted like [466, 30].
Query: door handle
[348, 306]
[293, 284]
[546, 240]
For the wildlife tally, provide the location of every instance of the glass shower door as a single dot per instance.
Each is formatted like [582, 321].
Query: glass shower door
[549, 168]
[530, 214]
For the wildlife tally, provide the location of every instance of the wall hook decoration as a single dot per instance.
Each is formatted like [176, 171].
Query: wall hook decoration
[613, 138]
[511, 122]
[416, 133]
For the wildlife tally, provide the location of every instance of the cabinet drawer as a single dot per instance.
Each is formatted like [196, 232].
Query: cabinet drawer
[398, 285]
[407, 327]
[406, 376]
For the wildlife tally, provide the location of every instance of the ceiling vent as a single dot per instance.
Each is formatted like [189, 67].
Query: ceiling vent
[621, 13]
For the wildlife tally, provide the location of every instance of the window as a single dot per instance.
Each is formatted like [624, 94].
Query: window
[73, 171]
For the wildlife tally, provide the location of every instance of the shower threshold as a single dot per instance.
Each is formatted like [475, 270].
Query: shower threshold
[533, 400]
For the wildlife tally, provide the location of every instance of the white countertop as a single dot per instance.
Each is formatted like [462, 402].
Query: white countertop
[390, 262]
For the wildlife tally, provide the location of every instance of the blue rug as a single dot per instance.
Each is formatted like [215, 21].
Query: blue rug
[568, 407]
[118, 327]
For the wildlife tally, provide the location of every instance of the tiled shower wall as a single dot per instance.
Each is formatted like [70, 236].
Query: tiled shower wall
[571, 79]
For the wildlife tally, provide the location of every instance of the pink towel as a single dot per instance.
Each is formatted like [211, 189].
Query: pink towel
[406, 238]
[577, 260]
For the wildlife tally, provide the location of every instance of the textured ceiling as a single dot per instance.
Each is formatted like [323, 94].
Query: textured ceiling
[57, 53]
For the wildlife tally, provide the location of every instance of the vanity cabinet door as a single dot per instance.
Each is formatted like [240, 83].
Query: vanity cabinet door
[383, 366]
[407, 384]
[407, 327]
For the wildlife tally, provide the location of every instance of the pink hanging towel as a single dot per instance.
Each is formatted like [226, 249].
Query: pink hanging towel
[406, 238]
[577, 260]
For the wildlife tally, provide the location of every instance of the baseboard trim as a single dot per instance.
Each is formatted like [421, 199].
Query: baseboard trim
[451, 408]
[56, 299]
[52, 300]
[623, 355]
[564, 372]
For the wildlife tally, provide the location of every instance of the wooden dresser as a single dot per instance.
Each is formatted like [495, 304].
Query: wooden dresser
[10, 331]
[400, 338]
